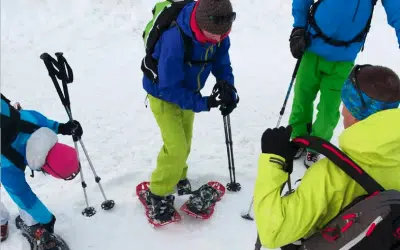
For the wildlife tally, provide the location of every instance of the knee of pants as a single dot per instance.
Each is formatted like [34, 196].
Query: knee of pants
[177, 152]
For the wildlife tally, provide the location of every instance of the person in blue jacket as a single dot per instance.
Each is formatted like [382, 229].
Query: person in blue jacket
[17, 127]
[328, 36]
[174, 86]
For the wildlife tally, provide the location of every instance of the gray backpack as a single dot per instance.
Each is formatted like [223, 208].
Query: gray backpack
[370, 222]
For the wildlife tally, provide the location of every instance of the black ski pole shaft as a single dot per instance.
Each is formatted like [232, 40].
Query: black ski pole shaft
[231, 148]
[227, 147]
[233, 185]
[288, 91]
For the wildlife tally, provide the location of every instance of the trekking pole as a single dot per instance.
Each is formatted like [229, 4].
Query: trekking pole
[107, 204]
[233, 185]
[296, 68]
[62, 65]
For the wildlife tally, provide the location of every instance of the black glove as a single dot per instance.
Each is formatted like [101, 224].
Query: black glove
[49, 226]
[212, 102]
[227, 93]
[298, 42]
[73, 128]
[277, 141]
[228, 96]
[227, 109]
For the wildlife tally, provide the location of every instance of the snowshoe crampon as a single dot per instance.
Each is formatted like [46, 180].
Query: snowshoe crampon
[142, 190]
[201, 203]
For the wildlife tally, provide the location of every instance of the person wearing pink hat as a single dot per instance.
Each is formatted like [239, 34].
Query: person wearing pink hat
[28, 138]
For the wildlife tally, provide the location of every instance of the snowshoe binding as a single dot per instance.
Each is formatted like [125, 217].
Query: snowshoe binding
[201, 203]
[160, 210]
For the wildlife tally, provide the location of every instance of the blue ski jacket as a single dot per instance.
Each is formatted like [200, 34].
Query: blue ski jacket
[342, 20]
[13, 178]
[179, 82]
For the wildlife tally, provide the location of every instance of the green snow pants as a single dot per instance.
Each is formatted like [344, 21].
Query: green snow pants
[176, 126]
[316, 74]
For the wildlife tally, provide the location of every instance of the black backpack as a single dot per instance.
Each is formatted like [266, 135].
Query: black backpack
[370, 222]
[360, 37]
[10, 127]
[165, 14]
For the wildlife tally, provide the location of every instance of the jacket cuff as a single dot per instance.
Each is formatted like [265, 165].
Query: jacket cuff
[272, 160]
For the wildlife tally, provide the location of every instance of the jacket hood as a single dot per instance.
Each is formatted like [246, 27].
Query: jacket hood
[375, 141]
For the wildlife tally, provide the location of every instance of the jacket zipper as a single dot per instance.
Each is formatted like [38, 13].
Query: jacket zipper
[202, 69]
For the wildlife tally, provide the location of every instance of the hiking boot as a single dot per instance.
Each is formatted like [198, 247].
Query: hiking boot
[184, 187]
[311, 158]
[160, 208]
[202, 199]
[4, 232]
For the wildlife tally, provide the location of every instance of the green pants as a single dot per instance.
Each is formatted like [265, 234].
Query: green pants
[316, 74]
[176, 126]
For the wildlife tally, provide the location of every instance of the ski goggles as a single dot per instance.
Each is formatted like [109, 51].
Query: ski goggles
[359, 104]
[218, 20]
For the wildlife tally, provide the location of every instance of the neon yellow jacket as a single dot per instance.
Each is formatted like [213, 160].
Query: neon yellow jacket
[325, 189]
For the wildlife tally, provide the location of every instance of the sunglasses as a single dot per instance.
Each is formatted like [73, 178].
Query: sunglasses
[230, 18]
[354, 81]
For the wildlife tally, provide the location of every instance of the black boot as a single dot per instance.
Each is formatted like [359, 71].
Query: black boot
[202, 199]
[184, 187]
[161, 208]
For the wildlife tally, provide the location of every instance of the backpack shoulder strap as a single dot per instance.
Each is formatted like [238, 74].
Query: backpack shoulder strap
[360, 37]
[13, 156]
[187, 43]
[5, 99]
[188, 48]
[341, 160]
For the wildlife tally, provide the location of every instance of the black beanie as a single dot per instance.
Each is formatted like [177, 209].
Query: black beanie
[207, 8]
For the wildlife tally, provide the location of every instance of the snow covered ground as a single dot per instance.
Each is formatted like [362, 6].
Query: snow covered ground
[102, 42]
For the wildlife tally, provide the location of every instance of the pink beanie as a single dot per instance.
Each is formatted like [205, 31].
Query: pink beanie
[43, 152]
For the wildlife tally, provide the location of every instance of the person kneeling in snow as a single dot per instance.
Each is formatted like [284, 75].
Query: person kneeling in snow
[29, 138]
[175, 97]
[371, 138]
[327, 36]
